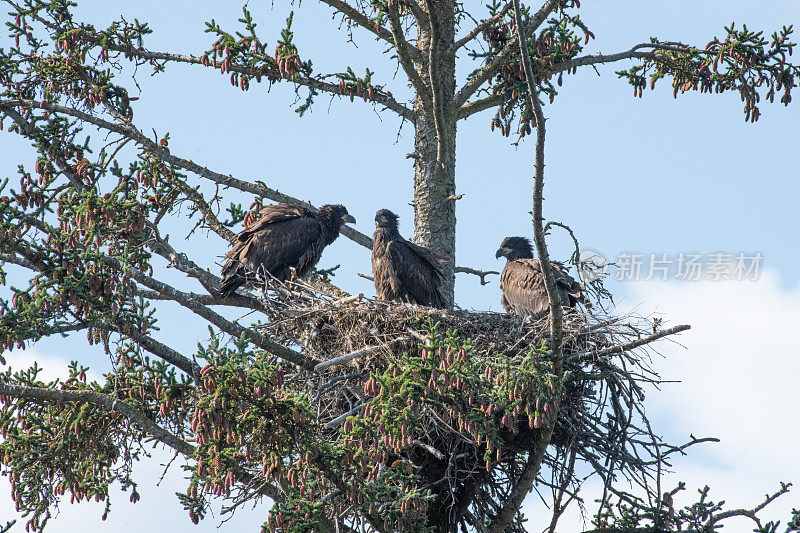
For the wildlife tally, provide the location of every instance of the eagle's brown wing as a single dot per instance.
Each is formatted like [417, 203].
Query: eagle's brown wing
[524, 292]
[414, 273]
[285, 237]
[572, 291]
[272, 214]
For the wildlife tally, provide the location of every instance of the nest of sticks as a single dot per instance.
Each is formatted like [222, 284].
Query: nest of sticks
[354, 338]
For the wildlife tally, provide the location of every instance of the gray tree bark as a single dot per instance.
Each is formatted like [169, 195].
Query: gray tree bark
[435, 168]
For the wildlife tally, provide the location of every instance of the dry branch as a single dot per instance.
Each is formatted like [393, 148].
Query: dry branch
[404, 54]
[553, 294]
[616, 350]
[639, 51]
[480, 273]
[352, 355]
[227, 181]
[437, 103]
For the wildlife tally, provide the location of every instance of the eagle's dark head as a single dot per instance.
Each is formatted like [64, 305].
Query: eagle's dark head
[337, 214]
[386, 219]
[515, 248]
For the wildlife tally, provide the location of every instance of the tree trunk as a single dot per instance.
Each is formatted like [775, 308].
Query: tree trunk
[434, 183]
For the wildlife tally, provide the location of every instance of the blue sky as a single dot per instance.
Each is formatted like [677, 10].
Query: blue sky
[650, 175]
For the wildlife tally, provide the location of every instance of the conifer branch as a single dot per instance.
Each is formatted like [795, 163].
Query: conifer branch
[480, 27]
[484, 74]
[103, 402]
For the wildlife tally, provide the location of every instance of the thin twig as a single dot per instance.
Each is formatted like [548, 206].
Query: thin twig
[339, 419]
[352, 355]
[480, 27]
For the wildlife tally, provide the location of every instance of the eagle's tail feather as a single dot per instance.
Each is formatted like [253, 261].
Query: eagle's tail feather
[230, 285]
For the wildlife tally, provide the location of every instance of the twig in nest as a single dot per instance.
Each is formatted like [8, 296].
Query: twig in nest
[347, 300]
[430, 449]
[613, 350]
[352, 355]
[416, 335]
[339, 419]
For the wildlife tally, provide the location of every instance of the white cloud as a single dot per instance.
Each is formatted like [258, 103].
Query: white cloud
[738, 382]
[739, 369]
[52, 367]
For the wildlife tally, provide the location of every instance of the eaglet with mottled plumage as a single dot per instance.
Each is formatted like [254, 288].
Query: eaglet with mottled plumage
[404, 271]
[284, 237]
[522, 281]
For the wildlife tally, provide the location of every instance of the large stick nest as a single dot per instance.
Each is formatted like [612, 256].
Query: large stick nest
[355, 338]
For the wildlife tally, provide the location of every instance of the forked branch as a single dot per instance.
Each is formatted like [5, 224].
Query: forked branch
[489, 70]
[404, 56]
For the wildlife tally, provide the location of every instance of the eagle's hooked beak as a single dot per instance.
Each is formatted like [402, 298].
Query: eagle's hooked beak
[501, 252]
[349, 219]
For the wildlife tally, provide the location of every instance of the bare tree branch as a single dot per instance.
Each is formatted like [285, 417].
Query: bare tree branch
[639, 51]
[477, 106]
[437, 103]
[480, 273]
[228, 181]
[752, 513]
[202, 206]
[614, 350]
[231, 328]
[556, 313]
[16, 260]
[180, 261]
[404, 54]
[531, 469]
[524, 483]
[352, 355]
[232, 300]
